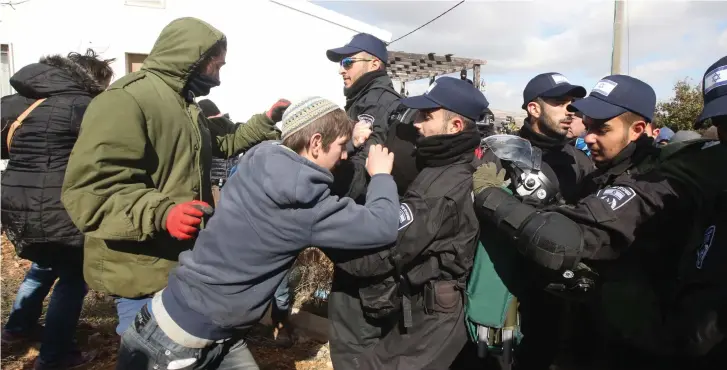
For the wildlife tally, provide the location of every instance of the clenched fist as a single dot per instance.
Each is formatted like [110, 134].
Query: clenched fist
[361, 133]
[379, 160]
[275, 113]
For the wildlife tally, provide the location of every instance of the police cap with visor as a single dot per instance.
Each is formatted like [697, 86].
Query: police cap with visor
[615, 95]
[360, 42]
[452, 94]
[714, 85]
[550, 85]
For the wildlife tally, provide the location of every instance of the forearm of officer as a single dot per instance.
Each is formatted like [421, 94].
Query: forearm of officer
[614, 217]
[600, 226]
[547, 238]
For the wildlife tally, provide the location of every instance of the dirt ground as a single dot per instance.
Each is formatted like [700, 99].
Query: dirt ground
[98, 322]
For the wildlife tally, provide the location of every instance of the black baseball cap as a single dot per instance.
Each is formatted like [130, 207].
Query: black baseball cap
[714, 90]
[360, 42]
[615, 95]
[550, 85]
[452, 94]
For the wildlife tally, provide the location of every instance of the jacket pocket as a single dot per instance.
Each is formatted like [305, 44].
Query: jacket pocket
[381, 299]
[443, 296]
[142, 253]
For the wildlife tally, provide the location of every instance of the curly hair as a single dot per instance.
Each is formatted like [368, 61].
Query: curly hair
[99, 69]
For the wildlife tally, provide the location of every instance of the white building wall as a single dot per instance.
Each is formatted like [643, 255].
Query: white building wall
[273, 51]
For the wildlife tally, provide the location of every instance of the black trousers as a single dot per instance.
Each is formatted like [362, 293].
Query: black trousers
[433, 342]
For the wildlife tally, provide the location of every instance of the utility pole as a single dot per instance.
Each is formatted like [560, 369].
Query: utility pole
[618, 16]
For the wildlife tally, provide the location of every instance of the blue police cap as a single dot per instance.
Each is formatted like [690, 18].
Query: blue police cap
[615, 95]
[665, 134]
[359, 43]
[714, 89]
[550, 85]
[452, 94]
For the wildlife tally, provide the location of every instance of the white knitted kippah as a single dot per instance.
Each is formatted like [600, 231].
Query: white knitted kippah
[304, 112]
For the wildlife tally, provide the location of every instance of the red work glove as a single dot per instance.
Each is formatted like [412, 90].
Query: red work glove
[183, 219]
[275, 112]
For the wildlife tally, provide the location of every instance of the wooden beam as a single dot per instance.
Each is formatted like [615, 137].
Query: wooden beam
[424, 74]
[406, 67]
[462, 64]
[476, 76]
[396, 55]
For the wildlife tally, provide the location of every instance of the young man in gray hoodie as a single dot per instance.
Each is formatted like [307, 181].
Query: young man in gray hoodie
[276, 204]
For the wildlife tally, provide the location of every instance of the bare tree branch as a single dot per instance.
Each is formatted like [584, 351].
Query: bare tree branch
[12, 3]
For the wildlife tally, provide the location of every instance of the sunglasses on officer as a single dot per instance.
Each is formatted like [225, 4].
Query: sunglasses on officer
[348, 62]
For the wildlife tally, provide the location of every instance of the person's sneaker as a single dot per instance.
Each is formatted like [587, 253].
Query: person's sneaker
[282, 335]
[75, 360]
[13, 337]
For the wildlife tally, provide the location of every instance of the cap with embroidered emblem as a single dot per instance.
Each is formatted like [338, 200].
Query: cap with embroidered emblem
[615, 95]
[550, 85]
[452, 94]
[714, 89]
[360, 42]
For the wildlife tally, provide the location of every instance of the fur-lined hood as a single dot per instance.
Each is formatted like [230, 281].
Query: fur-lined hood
[54, 75]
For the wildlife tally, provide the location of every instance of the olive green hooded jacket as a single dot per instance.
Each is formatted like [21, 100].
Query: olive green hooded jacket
[143, 148]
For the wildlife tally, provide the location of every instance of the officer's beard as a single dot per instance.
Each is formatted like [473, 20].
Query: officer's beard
[551, 127]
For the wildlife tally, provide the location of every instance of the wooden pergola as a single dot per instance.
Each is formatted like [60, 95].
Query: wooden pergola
[406, 67]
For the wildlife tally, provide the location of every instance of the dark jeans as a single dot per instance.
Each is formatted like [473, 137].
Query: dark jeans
[145, 346]
[64, 309]
[126, 310]
[281, 303]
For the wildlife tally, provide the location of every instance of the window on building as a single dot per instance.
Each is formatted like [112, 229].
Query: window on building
[6, 70]
[146, 3]
[134, 61]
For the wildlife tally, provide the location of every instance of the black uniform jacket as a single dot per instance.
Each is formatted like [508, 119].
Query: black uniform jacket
[372, 99]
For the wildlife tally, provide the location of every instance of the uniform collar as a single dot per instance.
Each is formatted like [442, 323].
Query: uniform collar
[630, 156]
[539, 140]
[361, 85]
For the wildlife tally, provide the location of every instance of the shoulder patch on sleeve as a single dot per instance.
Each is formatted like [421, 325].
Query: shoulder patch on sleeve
[706, 244]
[366, 118]
[406, 217]
[616, 196]
[710, 144]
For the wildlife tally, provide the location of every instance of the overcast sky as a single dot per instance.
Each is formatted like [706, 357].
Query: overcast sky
[666, 40]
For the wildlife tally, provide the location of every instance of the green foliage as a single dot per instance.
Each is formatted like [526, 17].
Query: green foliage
[680, 112]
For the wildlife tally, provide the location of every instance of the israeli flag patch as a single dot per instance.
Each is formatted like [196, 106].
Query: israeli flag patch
[559, 79]
[406, 217]
[616, 196]
[429, 89]
[366, 118]
[604, 87]
[715, 79]
[706, 244]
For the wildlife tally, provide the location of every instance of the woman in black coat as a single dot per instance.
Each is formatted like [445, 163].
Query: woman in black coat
[52, 96]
